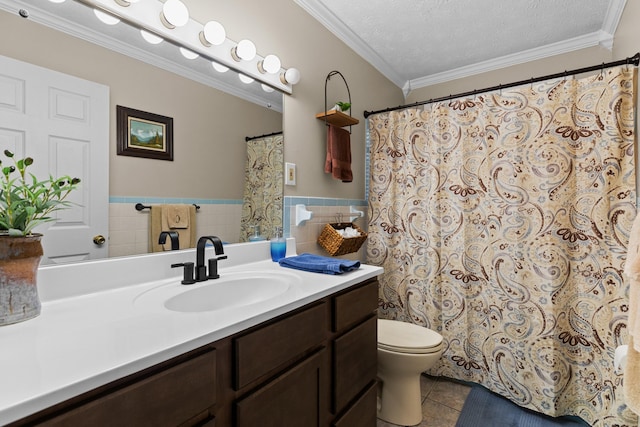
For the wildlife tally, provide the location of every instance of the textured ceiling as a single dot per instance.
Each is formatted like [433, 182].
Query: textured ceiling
[420, 42]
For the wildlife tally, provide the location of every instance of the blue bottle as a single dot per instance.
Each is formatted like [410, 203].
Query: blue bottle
[278, 245]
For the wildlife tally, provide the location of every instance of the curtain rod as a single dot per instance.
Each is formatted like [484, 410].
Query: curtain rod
[634, 60]
[249, 138]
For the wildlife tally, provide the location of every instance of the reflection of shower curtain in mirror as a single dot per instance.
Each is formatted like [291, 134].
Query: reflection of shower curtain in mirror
[502, 221]
[263, 188]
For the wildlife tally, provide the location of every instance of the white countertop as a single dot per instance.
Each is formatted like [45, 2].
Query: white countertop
[90, 332]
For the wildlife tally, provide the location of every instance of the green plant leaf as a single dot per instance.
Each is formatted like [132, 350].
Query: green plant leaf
[25, 201]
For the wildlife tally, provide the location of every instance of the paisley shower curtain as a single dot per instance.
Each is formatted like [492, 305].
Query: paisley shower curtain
[263, 188]
[501, 221]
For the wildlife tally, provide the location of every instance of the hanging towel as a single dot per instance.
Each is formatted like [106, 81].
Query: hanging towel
[158, 222]
[319, 264]
[338, 161]
[631, 381]
[177, 216]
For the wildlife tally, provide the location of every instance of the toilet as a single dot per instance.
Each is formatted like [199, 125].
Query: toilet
[405, 351]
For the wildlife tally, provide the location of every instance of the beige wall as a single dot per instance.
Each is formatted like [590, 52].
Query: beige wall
[282, 27]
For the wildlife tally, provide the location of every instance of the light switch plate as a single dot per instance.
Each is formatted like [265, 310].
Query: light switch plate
[289, 174]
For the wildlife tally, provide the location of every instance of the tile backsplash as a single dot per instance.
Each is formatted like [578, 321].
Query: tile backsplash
[325, 210]
[129, 228]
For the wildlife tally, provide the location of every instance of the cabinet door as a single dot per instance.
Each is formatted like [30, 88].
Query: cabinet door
[353, 306]
[180, 394]
[363, 411]
[295, 398]
[269, 347]
[355, 362]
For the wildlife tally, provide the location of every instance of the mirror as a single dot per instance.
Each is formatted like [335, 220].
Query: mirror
[212, 116]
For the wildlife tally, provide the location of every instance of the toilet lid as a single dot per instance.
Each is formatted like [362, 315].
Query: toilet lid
[403, 337]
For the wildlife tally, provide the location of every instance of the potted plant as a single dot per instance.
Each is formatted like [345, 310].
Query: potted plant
[25, 202]
[342, 106]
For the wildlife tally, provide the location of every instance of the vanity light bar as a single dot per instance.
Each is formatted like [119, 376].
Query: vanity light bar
[147, 14]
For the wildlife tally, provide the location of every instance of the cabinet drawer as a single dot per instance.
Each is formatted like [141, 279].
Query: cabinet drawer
[170, 397]
[295, 398]
[271, 346]
[353, 306]
[363, 412]
[355, 362]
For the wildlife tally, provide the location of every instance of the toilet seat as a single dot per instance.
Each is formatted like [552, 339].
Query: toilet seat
[403, 337]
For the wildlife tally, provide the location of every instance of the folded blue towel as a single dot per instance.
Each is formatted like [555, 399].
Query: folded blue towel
[319, 264]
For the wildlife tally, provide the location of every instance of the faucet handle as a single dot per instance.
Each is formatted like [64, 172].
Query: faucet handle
[213, 267]
[187, 278]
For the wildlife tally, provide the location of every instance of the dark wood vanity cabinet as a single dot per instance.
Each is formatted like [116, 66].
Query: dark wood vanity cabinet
[315, 366]
[181, 391]
[354, 347]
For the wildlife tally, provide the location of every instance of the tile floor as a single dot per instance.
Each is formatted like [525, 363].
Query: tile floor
[442, 401]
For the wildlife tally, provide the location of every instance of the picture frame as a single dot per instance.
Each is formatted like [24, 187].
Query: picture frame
[144, 134]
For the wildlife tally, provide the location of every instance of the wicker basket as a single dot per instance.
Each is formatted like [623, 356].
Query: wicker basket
[335, 244]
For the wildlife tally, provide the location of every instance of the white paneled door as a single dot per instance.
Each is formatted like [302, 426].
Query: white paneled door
[63, 123]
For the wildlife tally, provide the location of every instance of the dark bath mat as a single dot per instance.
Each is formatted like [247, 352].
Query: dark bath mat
[486, 409]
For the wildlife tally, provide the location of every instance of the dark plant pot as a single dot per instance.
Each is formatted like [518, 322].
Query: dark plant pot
[19, 261]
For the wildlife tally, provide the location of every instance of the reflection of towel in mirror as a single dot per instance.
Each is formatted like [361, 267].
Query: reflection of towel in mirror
[176, 216]
[159, 222]
[338, 161]
[632, 275]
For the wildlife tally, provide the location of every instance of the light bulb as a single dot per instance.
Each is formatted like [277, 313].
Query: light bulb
[174, 14]
[219, 67]
[270, 64]
[245, 79]
[266, 88]
[188, 53]
[105, 17]
[291, 76]
[56, 1]
[126, 3]
[245, 50]
[150, 37]
[212, 34]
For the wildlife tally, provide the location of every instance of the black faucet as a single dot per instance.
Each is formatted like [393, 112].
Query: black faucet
[201, 269]
[173, 235]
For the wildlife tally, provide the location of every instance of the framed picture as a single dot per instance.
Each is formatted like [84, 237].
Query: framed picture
[142, 134]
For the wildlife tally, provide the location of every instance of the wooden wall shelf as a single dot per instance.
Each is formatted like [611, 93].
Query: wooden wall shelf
[337, 118]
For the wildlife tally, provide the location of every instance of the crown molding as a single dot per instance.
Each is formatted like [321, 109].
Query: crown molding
[589, 40]
[329, 20]
[603, 38]
[612, 18]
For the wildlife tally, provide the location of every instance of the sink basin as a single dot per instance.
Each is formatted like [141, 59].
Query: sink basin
[231, 290]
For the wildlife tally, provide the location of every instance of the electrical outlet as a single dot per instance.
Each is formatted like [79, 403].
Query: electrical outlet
[289, 174]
